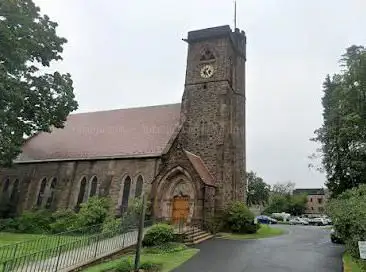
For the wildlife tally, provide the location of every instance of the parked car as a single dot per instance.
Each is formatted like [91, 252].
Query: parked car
[334, 237]
[318, 221]
[264, 219]
[298, 221]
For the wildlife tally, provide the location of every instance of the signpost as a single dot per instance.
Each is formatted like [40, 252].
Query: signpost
[362, 248]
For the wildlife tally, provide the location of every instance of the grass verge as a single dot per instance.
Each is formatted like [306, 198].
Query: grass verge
[265, 231]
[169, 260]
[351, 264]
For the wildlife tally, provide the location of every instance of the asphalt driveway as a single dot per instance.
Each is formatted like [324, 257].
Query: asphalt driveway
[302, 249]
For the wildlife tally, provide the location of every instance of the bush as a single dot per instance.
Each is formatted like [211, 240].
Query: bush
[93, 212]
[62, 220]
[158, 234]
[112, 225]
[348, 213]
[165, 248]
[127, 265]
[124, 266]
[34, 222]
[151, 266]
[239, 219]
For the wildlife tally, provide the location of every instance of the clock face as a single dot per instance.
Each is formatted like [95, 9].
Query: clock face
[207, 71]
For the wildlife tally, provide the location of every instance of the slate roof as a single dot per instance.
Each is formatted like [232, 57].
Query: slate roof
[310, 191]
[129, 132]
[201, 168]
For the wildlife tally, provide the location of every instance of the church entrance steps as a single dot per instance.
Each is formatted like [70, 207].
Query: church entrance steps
[196, 236]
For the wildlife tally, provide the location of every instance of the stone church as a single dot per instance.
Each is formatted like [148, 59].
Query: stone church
[188, 157]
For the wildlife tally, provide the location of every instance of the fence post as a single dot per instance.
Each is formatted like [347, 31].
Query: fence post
[140, 234]
[96, 247]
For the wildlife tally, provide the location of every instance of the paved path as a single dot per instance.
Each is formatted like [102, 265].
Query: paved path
[303, 249]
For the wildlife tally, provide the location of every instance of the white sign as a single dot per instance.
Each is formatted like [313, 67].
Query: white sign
[362, 248]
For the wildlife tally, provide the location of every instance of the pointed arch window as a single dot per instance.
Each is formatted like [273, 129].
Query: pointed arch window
[6, 185]
[126, 193]
[93, 186]
[139, 186]
[81, 192]
[14, 191]
[42, 189]
[51, 193]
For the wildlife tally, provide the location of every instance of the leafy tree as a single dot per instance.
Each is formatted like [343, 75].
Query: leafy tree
[258, 190]
[348, 213]
[31, 100]
[343, 132]
[297, 205]
[284, 188]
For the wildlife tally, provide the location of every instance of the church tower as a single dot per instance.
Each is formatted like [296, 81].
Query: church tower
[213, 108]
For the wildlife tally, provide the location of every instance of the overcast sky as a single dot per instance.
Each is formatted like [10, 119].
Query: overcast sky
[130, 53]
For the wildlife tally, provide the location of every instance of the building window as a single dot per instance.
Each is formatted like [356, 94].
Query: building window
[42, 189]
[6, 185]
[81, 193]
[51, 193]
[139, 186]
[311, 199]
[93, 187]
[320, 200]
[206, 54]
[126, 194]
[14, 191]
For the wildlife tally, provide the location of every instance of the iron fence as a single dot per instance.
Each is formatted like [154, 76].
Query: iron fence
[66, 250]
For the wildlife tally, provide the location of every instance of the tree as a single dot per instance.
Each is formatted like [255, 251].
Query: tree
[31, 100]
[258, 190]
[343, 133]
[285, 188]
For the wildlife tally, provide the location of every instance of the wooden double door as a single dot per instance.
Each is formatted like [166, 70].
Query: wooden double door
[180, 209]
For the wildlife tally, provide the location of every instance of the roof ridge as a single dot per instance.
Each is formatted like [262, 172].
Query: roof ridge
[129, 108]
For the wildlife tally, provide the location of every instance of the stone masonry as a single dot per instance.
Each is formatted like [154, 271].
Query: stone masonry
[203, 159]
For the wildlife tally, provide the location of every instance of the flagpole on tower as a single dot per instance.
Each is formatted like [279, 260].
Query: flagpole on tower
[234, 14]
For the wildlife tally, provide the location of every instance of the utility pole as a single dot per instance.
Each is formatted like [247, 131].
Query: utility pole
[140, 234]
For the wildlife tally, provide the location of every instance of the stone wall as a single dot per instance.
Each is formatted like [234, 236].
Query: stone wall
[110, 175]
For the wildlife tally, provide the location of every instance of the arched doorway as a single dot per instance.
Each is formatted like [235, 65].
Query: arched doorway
[177, 197]
[180, 210]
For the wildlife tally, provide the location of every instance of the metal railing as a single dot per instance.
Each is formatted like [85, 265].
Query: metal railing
[66, 250]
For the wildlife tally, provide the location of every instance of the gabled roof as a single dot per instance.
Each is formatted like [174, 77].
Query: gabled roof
[201, 168]
[310, 191]
[129, 132]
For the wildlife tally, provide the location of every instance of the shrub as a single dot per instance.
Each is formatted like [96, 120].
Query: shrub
[158, 234]
[348, 213]
[127, 265]
[238, 218]
[124, 266]
[151, 266]
[8, 225]
[62, 220]
[34, 222]
[93, 212]
[112, 225]
[165, 248]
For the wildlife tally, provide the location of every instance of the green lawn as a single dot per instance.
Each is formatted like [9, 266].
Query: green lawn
[169, 260]
[265, 231]
[353, 265]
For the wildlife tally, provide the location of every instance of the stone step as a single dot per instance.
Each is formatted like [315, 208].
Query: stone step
[195, 234]
[197, 237]
[204, 238]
